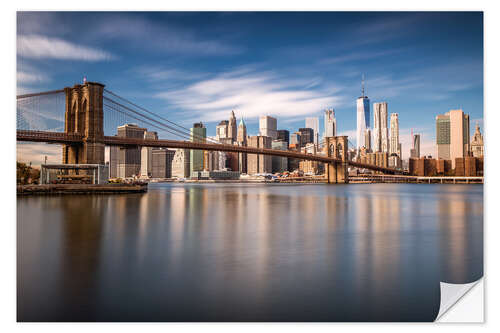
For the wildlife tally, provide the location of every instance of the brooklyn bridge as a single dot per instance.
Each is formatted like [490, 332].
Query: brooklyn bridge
[80, 118]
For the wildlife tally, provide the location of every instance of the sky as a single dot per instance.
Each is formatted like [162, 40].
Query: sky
[198, 66]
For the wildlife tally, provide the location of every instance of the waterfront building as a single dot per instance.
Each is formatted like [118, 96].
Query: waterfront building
[216, 175]
[279, 164]
[214, 160]
[180, 163]
[161, 159]
[129, 158]
[113, 161]
[452, 135]
[477, 144]
[313, 123]
[311, 167]
[468, 166]
[363, 117]
[242, 141]
[330, 123]
[378, 158]
[293, 163]
[415, 151]
[198, 134]
[380, 130]
[268, 127]
[146, 155]
[259, 163]
[306, 136]
[284, 135]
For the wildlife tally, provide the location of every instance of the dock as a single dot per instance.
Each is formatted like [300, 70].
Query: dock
[58, 189]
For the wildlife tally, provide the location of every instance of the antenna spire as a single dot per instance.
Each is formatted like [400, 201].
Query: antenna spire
[363, 85]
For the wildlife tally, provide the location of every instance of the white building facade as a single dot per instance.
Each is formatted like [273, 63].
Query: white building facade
[313, 122]
[380, 130]
[268, 126]
[330, 123]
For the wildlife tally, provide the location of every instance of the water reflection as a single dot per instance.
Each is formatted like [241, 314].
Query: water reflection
[191, 252]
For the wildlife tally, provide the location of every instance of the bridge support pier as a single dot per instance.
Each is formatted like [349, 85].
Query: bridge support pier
[336, 172]
[84, 115]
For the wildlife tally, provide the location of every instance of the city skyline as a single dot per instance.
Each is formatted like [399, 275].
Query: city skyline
[256, 81]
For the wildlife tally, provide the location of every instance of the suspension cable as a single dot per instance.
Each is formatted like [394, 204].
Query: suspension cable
[156, 115]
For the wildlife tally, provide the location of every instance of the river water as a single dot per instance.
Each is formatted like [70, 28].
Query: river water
[247, 252]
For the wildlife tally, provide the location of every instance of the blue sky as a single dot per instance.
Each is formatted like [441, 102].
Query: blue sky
[191, 66]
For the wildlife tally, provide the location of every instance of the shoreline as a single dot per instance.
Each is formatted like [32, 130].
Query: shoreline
[61, 189]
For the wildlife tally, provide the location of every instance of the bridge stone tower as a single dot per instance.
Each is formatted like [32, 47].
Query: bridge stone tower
[336, 146]
[84, 116]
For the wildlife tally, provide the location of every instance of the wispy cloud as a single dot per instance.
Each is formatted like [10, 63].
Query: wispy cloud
[163, 36]
[161, 74]
[254, 93]
[43, 47]
[26, 77]
[387, 86]
[386, 28]
[357, 56]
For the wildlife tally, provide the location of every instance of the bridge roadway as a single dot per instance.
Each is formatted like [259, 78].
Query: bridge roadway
[63, 138]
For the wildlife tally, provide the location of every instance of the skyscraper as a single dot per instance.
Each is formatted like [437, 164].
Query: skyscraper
[306, 136]
[368, 140]
[363, 117]
[268, 127]
[284, 135]
[477, 145]
[198, 134]
[452, 135]
[231, 129]
[313, 122]
[221, 130]
[330, 123]
[380, 130]
[394, 145]
[242, 133]
[242, 141]
[415, 151]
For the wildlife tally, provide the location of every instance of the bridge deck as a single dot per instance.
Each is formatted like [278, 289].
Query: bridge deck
[63, 138]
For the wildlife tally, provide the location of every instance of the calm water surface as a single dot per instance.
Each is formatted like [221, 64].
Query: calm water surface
[251, 252]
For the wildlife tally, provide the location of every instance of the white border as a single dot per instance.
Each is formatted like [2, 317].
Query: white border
[8, 202]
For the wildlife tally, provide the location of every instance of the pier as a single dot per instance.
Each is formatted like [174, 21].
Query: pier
[57, 189]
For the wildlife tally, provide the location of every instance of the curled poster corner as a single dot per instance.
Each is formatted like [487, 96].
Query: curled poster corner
[451, 295]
